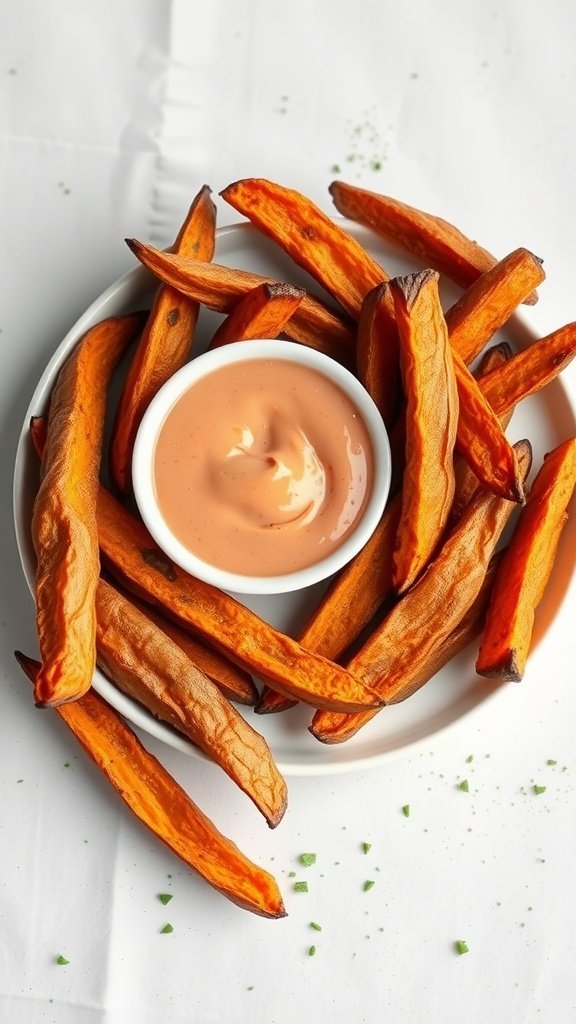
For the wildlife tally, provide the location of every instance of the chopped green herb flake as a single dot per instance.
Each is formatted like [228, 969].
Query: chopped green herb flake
[291, 874]
[551, 761]
[19, 780]
[470, 758]
[315, 926]
[307, 859]
[461, 947]
[165, 897]
[538, 790]
[366, 847]
[312, 951]
[464, 786]
[300, 886]
[369, 884]
[336, 169]
[376, 165]
[406, 810]
[62, 960]
[250, 988]
[66, 764]
[166, 929]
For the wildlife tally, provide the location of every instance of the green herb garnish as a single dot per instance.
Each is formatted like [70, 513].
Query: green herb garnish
[307, 859]
[166, 929]
[551, 761]
[291, 874]
[464, 786]
[300, 886]
[366, 847]
[369, 884]
[406, 810]
[538, 790]
[315, 926]
[62, 960]
[165, 897]
[461, 947]
[312, 951]
[336, 169]
[470, 758]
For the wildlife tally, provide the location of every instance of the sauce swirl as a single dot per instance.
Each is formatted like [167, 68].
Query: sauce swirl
[263, 467]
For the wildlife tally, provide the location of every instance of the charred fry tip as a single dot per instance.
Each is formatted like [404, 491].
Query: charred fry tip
[502, 348]
[410, 285]
[507, 670]
[275, 289]
[134, 245]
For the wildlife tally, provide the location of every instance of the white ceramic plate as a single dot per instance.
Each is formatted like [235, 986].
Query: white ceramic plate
[546, 419]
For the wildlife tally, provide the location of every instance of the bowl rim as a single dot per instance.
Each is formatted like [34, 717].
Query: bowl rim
[183, 381]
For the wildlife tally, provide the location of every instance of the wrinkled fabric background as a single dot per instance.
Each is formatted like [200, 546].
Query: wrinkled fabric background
[111, 117]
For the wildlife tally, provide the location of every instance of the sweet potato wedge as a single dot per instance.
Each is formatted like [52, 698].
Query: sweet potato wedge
[336, 260]
[481, 440]
[431, 239]
[219, 288]
[137, 562]
[488, 303]
[424, 618]
[262, 313]
[165, 341]
[526, 568]
[466, 481]
[233, 682]
[162, 805]
[146, 665]
[431, 423]
[64, 517]
[377, 351]
[349, 604]
[334, 728]
[529, 370]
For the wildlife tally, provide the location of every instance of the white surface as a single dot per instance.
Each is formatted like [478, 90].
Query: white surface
[132, 107]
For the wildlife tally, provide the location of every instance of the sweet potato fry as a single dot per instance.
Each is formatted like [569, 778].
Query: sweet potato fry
[233, 682]
[466, 482]
[227, 625]
[530, 370]
[431, 423]
[481, 440]
[335, 259]
[64, 517]
[488, 303]
[335, 728]
[433, 240]
[526, 568]
[165, 341]
[219, 288]
[146, 665]
[424, 618]
[162, 805]
[377, 350]
[262, 313]
[349, 604]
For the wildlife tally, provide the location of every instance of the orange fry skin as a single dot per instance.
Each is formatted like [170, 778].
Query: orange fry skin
[336, 260]
[165, 341]
[526, 568]
[481, 440]
[146, 665]
[219, 288]
[349, 604]
[431, 239]
[64, 528]
[262, 313]
[230, 627]
[431, 423]
[334, 728]
[157, 800]
[397, 651]
[377, 351]
[529, 370]
[488, 303]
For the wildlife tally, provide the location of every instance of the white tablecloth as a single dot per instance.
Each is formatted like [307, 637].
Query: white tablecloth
[111, 117]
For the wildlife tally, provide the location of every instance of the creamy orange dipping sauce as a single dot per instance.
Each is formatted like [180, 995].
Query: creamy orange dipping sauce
[263, 467]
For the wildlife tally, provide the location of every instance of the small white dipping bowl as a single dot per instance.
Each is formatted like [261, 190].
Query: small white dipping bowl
[190, 374]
